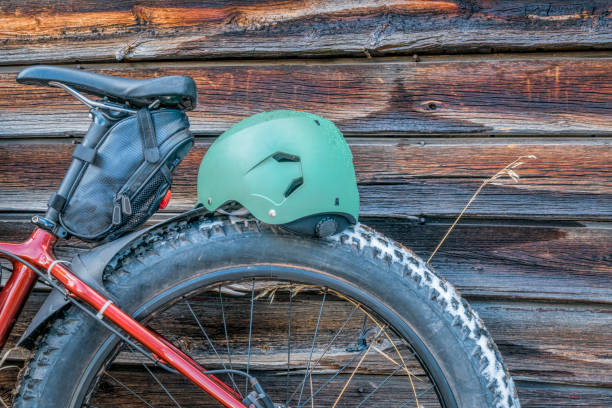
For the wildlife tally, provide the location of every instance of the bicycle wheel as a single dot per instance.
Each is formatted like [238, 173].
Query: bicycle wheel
[355, 320]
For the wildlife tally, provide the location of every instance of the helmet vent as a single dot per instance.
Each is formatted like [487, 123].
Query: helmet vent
[285, 157]
[294, 185]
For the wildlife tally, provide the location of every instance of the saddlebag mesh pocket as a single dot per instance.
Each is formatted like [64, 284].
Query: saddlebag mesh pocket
[129, 175]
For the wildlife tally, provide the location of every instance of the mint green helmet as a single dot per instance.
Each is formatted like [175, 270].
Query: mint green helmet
[285, 167]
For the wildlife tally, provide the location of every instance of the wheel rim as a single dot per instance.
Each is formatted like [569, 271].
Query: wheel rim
[338, 346]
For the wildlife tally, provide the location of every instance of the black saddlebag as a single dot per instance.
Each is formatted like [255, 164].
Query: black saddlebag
[126, 175]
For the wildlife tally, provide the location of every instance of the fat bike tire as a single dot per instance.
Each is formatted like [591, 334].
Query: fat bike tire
[449, 338]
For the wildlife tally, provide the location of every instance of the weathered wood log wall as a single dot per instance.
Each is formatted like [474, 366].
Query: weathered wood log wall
[433, 96]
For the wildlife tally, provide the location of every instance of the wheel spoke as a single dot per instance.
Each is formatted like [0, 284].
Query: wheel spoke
[416, 397]
[379, 386]
[246, 381]
[331, 371]
[388, 357]
[330, 379]
[356, 368]
[340, 371]
[229, 354]
[134, 393]
[405, 368]
[212, 346]
[158, 381]
[289, 346]
[314, 340]
[328, 347]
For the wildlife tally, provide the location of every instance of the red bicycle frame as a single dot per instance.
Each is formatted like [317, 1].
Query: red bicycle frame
[38, 251]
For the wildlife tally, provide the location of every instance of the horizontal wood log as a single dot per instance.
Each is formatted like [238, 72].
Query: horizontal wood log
[535, 395]
[570, 179]
[539, 341]
[531, 394]
[111, 394]
[537, 261]
[484, 260]
[528, 332]
[393, 390]
[47, 31]
[564, 94]
[538, 395]
[436, 197]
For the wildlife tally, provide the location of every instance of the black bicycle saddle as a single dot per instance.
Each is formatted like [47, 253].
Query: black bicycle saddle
[169, 90]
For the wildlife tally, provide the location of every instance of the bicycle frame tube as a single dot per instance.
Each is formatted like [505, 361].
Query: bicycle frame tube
[38, 250]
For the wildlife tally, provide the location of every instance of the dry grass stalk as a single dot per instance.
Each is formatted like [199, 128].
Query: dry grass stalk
[270, 291]
[506, 171]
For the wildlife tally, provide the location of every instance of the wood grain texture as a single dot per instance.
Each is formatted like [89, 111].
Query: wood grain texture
[529, 338]
[483, 259]
[48, 31]
[561, 95]
[538, 395]
[539, 341]
[570, 179]
[532, 395]
[534, 258]
[563, 263]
